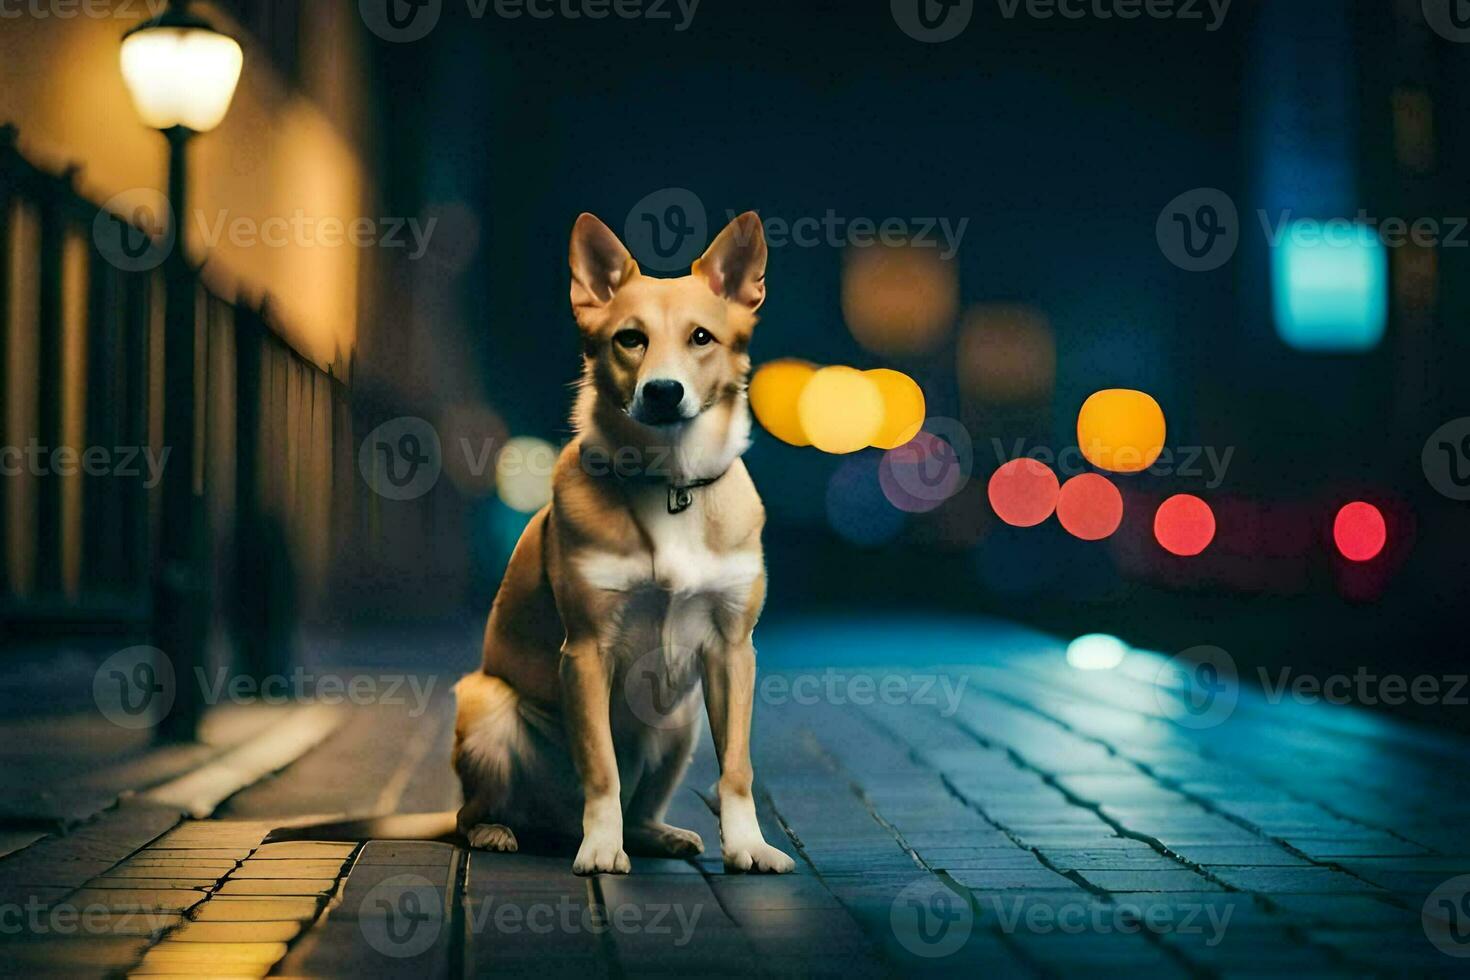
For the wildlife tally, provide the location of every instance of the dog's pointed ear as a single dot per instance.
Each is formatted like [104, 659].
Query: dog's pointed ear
[735, 264]
[600, 265]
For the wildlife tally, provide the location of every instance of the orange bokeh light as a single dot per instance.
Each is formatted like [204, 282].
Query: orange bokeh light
[1121, 430]
[1024, 492]
[1090, 507]
[774, 393]
[903, 407]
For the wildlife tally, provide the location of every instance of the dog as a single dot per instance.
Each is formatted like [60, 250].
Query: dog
[638, 585]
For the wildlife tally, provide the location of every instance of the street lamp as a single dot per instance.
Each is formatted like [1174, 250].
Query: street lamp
[181, 73]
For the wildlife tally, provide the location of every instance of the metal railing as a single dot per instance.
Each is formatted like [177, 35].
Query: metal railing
[87, 482]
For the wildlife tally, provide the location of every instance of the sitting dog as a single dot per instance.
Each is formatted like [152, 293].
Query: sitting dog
[643, 574]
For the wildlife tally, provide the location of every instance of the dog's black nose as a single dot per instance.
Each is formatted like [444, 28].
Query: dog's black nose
[661, 400]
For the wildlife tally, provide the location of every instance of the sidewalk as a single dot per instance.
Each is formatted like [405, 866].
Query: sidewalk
[1045, 821]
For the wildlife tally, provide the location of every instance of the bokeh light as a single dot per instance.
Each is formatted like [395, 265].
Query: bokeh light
[523, 473]
[1096, 651]
[774, 392]
[903, 407]
[1007, 354]
[1330, 290]
[1090, 507]
[1024, 492]
[856, 506]
[840, 410]
[1360, 531]
[1184, 525]
[922, 473]
[1121, 430]
[899, 300]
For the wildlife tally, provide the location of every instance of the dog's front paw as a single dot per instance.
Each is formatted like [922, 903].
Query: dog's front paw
[599, 856]
[757, 858]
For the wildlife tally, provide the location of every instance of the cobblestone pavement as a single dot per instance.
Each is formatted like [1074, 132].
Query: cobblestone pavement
[1009, 816]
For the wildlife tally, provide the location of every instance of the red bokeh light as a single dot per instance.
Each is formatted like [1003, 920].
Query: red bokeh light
[1360, 531]
[1184, 525]
[1024, 492]
[1090, 507]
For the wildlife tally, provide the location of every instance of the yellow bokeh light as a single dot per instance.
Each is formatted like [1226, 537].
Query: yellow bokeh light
[523, 473]
[899, 300]
[774, 393]
[841, 410]
[1121, 430]
[903, 407]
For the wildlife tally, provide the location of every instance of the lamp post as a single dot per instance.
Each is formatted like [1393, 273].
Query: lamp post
[181, 73]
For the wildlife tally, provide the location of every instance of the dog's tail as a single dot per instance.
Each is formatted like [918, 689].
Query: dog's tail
[402, 826]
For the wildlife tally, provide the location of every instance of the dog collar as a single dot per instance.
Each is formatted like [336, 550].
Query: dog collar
[681, 495]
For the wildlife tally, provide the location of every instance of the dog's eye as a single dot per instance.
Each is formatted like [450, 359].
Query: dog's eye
[630, 339]
[702, 337]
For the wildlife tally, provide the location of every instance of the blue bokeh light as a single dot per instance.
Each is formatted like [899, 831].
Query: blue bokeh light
[1330, 287]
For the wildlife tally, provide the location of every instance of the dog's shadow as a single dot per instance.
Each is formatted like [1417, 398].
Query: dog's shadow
[419, 827]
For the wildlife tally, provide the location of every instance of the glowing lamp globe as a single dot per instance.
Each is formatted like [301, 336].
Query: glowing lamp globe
[180, 71]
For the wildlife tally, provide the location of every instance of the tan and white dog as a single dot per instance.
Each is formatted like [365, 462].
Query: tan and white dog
[645, 568]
